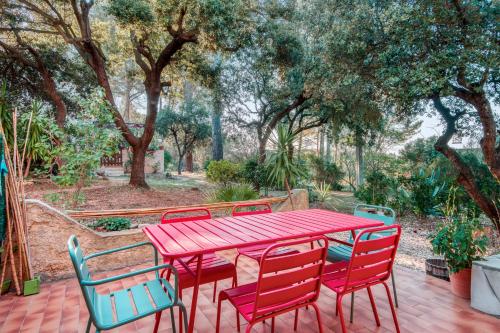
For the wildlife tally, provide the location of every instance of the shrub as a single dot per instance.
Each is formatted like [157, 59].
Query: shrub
[376, 189]
[427, 193]
[113, 223]
[167, 160]
[460, 240]
[326, 172]
[255, 174]
[223, 172]
[233, 192]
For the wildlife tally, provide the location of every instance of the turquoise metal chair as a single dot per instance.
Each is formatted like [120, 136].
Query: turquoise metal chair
[343, 252]
[115, 309]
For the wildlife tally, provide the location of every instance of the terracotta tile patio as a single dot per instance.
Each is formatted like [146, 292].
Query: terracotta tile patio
[425, 305]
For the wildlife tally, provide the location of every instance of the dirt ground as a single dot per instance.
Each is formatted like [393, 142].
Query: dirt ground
[105, 194]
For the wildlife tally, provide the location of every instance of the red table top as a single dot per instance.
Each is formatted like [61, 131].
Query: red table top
[205, 236]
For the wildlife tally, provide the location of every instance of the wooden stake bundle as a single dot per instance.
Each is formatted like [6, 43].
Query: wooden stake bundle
[16, 229]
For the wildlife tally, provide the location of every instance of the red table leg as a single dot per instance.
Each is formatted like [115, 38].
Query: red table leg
[196, 288]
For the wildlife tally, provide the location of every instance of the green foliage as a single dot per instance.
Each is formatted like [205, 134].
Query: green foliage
[232, 192]
[326, 172]
[188, 126]
[53, 197]
[5, 114]
[223, 172]
[460, 240]
[89, 137]
[43, 134]
[375, 190]
[131, 11]
[283, 170]
[322, 191]
[112, 223]
[255, 173]
[167, 159]
[427, 192]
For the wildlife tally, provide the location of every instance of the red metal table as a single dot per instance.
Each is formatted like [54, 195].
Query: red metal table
[196, 238]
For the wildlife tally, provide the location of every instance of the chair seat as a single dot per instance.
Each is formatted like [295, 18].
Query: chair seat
[243, 298]
[213, 268]
[334, 277]
[339, 253]
[115, 309]
[256, 252]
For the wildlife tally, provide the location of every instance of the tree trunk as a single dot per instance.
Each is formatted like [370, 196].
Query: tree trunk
[360, 167]
[465, 175]
[262, 148]
[137, 175]
[217, 143]
[299, 150]
[179, 165]
[329, 140]
[51, 90]
[189, 161]
[289, 192]
[322, 142]
[489, 146]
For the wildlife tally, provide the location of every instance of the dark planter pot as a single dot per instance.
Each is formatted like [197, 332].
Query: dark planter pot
[460, 283]
[437, 267]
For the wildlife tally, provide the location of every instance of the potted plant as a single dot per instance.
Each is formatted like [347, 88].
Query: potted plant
[461, 240]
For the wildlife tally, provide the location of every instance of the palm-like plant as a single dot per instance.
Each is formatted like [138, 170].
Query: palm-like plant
[283, 170]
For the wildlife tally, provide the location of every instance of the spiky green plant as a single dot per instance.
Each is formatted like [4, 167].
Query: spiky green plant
[283, 169]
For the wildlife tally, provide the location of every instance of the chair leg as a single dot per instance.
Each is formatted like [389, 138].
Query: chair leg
[296, 321]
[351, 318]
[272, 324]
[217, 325]
[394, 289]
[215, 291]
[249, 328]
[374, 306]
[238, 320]
[318, 316]
[341, 313]
[182, 309]
[236, 261]
[181, 313]
[89, 323]
[172, 319]
[235, 279]
[157, 321]
[394, 316]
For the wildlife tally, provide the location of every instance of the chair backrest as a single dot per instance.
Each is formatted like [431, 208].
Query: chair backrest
[379, 213]
[168, 218]
[263, 208]
[82, 272]
[372, 259]
[288, 280]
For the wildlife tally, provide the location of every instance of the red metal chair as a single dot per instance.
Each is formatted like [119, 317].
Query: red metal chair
[213, 268]
[256, 252]
[371, 264]
[284, 284]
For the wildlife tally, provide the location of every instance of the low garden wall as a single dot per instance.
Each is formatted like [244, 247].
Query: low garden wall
[49, 230]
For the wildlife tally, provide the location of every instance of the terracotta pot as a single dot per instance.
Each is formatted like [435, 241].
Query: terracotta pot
[460, 283]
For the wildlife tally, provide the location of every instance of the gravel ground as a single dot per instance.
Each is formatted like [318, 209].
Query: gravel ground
[414, 246]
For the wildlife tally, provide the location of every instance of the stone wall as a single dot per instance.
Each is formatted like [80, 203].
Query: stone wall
[49, 230]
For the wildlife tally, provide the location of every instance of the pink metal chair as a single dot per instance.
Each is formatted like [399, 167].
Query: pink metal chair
[371, 264]
[285, 283]
[213, 268]
[256, 252]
